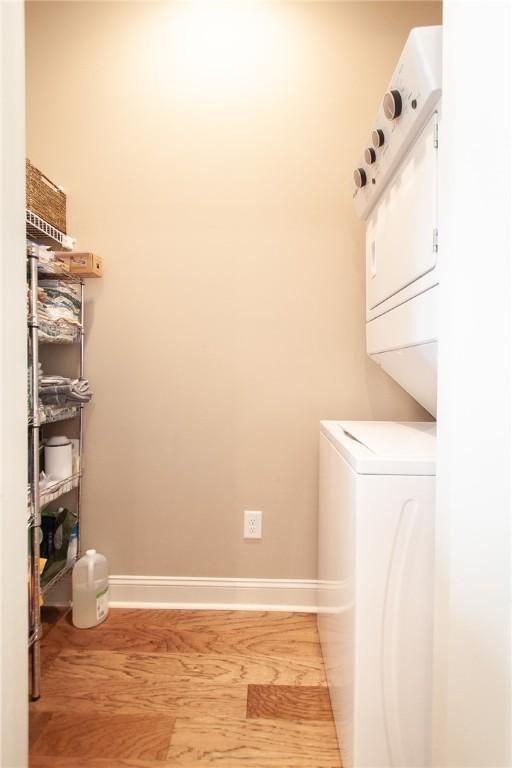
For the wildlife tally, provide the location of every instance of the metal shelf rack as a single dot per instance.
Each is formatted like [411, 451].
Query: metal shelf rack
[41, 233]
[57, 577]
[44, 234]
[64, 415]
[56, 490]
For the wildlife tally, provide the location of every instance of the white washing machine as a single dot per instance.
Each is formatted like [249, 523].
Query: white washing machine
[377, 485]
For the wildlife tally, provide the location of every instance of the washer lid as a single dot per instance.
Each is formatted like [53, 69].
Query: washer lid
[385, 447]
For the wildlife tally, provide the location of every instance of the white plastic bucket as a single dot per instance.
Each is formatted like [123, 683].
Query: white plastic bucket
[58, 458]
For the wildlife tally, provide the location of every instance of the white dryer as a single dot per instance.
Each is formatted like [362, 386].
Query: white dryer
[377, 485]
[396, 193]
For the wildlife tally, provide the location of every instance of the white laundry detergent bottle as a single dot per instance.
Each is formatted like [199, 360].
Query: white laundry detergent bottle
[90, 590]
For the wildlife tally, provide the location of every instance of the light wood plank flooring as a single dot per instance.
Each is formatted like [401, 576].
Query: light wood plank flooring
[158, 689]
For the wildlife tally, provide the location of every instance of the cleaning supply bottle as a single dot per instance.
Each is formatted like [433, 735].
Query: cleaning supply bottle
[72, 546]
[90, 590]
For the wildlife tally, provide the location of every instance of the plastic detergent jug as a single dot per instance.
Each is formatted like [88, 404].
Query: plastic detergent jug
[90, 590]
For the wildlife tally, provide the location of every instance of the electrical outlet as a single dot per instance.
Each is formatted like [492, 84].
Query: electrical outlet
[252, 525]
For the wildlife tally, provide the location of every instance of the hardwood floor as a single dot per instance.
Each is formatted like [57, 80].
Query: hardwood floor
[288, 702]
[158, 689]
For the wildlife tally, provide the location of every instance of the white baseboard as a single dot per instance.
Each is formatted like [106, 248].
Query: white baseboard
[213, 594]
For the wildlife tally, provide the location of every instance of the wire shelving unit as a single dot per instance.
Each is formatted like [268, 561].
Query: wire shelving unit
[41, 233]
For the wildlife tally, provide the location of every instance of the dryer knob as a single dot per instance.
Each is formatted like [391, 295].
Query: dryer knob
[360, 177]
[392, 105]
[370, 155]
[378, 138]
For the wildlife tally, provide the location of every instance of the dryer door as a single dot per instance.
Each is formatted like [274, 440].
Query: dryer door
[400, 240]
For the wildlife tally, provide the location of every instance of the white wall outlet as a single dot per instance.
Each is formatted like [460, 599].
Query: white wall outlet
[252, 525]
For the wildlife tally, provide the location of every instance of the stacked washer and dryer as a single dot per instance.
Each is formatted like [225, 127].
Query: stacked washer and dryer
[377, 479]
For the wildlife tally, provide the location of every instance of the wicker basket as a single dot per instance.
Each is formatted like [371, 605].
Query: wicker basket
[45, 199]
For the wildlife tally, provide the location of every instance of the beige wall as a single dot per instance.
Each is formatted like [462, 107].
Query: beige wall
[208, 159]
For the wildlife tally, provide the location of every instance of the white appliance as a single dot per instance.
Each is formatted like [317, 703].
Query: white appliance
[377, 483]
[396, 193]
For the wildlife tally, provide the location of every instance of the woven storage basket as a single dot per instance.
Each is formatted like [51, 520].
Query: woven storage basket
[45, 198]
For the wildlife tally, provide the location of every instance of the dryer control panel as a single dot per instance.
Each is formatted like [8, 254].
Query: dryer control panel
[412, 96]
